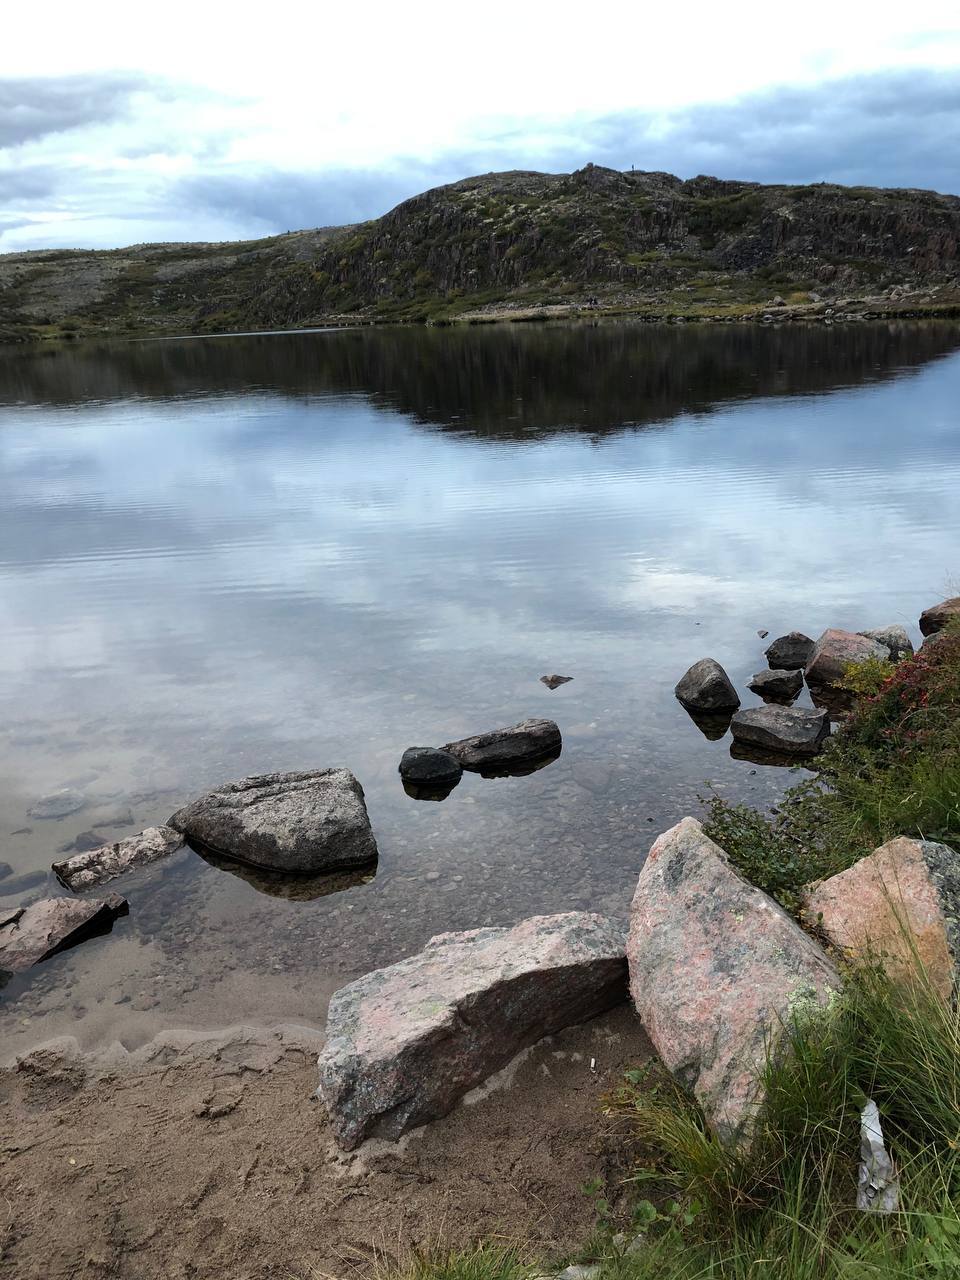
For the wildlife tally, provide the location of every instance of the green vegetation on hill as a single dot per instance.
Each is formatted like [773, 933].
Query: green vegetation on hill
[638, 242]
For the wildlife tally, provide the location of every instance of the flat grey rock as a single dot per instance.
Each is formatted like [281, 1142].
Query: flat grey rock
[430, 767]
[405, 1043]
[107, 861]
[792, 730]
[706, 687]
[782, 685]
[791, 652]
[299, 823]
[31, 934]
[894, 639]
[58, 804]
[503, 748]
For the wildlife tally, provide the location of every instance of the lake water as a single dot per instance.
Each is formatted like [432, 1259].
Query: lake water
[231, 556]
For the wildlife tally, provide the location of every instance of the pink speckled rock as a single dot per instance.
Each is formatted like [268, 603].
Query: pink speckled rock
[835, 651]
[406, 1042]
[31, 934]
[716, 968]
[898, 905]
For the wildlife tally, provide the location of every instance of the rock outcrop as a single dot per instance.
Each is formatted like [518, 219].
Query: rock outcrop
[405, 1043]
[706, 688]
[717, 969]
[107, 861]
[34, 933]
[508, 749]
[899, 905]
[778, 685]
[837, 650]
[894, 639]
[938, 615]
[298, 823]
[791, 652]
[787, 730]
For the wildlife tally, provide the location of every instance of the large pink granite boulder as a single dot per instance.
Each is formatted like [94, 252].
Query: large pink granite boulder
[717, 969]
[900, 906]
[34, 933]
[406, 1042]
[835, 651]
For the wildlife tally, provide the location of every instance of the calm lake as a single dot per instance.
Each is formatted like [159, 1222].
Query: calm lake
[228, 556]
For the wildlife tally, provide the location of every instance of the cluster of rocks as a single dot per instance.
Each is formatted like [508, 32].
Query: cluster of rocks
[717, 971]
[431, 773]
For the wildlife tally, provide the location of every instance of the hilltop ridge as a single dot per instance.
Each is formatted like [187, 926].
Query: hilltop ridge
[520, 244]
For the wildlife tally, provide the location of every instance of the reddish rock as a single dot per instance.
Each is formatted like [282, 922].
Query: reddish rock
[716, 970]
[31, 934]
[106, 862]
[899, 905]
[938, 615]
[835, 651]
[406, 1042]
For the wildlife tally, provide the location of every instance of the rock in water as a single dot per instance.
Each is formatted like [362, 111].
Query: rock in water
[34, 933]
[504, 748]
[790, 652]
[430, 767]
[406, 1042]
[938, 615]
[300, 823]
[716, 971]
[58, 804]
[900, 904]
[107, 861]
[835, 651]
[894, 639]
[776, 684]
[793, 730]
[706, 687]
[554, 682]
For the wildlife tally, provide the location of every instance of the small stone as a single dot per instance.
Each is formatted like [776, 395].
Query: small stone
[763, 634]
[780, 685]
[835, 652]
[706, 687]
[790, 652]
[58, 804]
[5, 870]
[431, 767]
[938, 615]
[554, 682]
[791, 730]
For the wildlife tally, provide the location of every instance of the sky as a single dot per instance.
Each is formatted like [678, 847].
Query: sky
[121, 124]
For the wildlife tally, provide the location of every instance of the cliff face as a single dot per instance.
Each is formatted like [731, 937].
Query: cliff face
[629, 239]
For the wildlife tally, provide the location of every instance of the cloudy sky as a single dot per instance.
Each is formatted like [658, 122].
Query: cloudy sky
[202, 120]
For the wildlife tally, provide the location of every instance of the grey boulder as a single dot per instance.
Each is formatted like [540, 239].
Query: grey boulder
[717, 971]
[790, 730]
[107, 861]
[517, 745]
[894, 639]
[430, 767]
[784, 685]
[791, 652]
[405, 1043]
[836, 651]
[31, 934]
[299, 823]
[938, 615]
[706, 687]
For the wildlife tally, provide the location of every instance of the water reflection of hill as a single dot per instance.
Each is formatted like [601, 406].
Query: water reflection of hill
[507, 382]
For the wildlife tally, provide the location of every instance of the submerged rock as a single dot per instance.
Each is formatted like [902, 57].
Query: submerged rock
[835, 651]
[791, 730]
[782, 685]
[106, 862]
[31, 934]
[898, 905]
[791, 652]
[515, 747]
[938, 615]
[430, 767]
[58, 804]
[301, 823]
[717, 969]
[894, 639]
[405, 1043]
[706, 687]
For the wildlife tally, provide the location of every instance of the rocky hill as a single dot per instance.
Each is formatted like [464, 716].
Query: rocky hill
[522, 244]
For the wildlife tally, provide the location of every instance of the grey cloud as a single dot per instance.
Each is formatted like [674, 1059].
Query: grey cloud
[33, 107]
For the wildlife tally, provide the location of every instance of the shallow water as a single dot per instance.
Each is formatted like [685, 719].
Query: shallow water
[237, 555]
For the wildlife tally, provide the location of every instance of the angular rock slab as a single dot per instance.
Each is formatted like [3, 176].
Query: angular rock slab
[299, 823]
[777, 683]
[894, 639]
[31, 934]
[716, 970]
[835, 651]
[898, 905]
[520, 744]
[405, 1043]
[706, 687]
[791, 652]
[938, 615]
[790, 730]
[97, 866]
